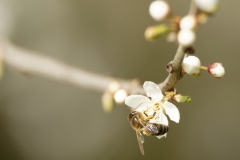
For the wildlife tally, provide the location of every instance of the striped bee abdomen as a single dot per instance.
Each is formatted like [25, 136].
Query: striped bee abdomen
[162, 129]
[154, 129]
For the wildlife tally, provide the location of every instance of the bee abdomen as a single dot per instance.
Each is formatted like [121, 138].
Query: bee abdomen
[162, 129]
[153, 129]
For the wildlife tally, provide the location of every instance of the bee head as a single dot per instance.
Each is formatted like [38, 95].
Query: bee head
[132, 114]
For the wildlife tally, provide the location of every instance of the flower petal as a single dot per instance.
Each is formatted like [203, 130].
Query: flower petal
[138, 102]
[159, 137]
[172, 111]
[162, 118]
[153, 91]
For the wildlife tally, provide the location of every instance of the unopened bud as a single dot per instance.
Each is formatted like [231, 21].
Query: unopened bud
[188, 22]
[120, 96]
[191, 65]
[154, 32]
[182, 99]
[209, 6]
[197, 74]
[159, 10]
[113, 86]
[186, 37]
[216, 70]
[107, 101]
[172, 37]
[202, 17]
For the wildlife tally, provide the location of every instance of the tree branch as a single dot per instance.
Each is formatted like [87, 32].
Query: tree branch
[175, 74]
[176, 65]
[32, 63]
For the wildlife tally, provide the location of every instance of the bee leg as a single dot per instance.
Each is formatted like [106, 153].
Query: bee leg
[145, 133]
[154, 114]
[145, 113]
[150, 116]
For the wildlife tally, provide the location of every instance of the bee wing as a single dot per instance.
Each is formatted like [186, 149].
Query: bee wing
[152, 128]
[140, 140]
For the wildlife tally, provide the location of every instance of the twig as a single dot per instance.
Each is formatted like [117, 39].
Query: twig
[175, 75]
[32, 63]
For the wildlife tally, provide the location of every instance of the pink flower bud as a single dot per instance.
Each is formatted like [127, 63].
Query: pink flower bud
[216, 70]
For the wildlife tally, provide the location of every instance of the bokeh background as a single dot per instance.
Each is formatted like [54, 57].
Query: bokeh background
[45, 120]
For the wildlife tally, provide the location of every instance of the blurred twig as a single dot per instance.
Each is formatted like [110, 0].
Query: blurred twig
[32, 63]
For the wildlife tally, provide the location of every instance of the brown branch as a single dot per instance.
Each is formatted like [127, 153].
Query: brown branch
[175, 72]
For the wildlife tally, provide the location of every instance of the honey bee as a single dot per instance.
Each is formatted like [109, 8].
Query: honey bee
[140, 122]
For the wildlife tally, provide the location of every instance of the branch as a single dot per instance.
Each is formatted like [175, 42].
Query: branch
[32, 63]
[175, 66]
[175, 73]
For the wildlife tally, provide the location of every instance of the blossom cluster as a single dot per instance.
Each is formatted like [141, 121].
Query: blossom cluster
[150, 113]
[192, 66]
[182, 31]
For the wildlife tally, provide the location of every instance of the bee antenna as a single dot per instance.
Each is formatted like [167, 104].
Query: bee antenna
[138, 105]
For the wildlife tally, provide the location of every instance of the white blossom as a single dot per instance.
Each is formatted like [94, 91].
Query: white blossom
[159, 10]
[120, 96]
[188, 22]
[191, 65]
[207, 5]
[186, 37]
[156, 103]
[216, 69]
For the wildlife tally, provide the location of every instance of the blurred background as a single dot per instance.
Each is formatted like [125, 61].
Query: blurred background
[45, 120]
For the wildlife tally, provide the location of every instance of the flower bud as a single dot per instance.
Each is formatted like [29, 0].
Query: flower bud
[154, 32]
[188, 22]
[198, 73]
[107, 101]
[202, 17]
[182, 99]
[207, 5]
[159, 10]
[120, 96]
[191, 65]
[113, 86]
[216, 70]
[171, 37]
[186, 37]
